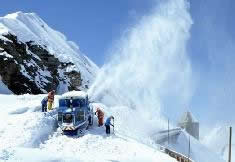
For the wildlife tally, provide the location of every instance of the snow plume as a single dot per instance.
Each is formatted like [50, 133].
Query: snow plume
[148, 65]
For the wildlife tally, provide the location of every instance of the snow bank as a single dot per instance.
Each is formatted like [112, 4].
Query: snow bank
[22, 123]
[28, 135]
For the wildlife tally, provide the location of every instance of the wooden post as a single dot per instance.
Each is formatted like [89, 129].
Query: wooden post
[113, 126]
[168, 137]
[230, 144]
[189, 148]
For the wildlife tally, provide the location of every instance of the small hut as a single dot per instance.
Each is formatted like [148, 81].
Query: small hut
[190, 124]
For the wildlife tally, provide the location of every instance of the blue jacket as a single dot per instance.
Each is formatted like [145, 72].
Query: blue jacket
[108, 121]
[44, 101]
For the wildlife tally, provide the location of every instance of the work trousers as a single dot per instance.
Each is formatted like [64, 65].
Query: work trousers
[100, 121]
[107, 129]
[44, 107]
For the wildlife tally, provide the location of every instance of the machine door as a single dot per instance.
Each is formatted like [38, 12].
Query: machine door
[80, 116]
[69, 103]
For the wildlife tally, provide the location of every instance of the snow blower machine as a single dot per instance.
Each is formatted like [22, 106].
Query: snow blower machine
[74, 113]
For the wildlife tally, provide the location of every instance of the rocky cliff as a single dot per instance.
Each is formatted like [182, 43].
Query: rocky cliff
[36, 59]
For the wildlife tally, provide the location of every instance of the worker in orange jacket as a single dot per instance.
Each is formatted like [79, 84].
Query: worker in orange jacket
[100, 114]
[51, 96]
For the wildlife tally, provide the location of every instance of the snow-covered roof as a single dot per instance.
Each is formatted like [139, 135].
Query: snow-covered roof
[74, 94]
[188, 118]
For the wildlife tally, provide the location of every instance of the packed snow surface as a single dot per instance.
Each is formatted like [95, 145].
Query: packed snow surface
[28, 135]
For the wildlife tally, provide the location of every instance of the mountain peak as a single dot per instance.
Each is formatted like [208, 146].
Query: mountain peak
[31, 31]
[19, 15]
[15, 15]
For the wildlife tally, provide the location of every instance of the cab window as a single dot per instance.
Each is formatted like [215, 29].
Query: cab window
[82, 102]
[62, 103]
[76, 103]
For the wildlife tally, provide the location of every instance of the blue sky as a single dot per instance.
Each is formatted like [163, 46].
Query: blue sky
[95, 25]
[212, 53]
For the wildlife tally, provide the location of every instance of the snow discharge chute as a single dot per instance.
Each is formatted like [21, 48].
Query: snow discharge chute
[149, 65]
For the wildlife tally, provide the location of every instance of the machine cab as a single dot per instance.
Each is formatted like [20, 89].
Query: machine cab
[74, 110]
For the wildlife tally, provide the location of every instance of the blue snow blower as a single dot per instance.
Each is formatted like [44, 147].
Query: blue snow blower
[74, 113]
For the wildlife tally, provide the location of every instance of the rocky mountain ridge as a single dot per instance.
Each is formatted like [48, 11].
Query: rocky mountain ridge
[37, 61]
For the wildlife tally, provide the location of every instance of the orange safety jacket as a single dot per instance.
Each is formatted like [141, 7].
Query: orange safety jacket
[100, 114]
[51, 97]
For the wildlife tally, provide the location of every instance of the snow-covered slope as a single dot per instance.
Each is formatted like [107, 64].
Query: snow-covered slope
[36, 39]
[30, 27]
[28, 135]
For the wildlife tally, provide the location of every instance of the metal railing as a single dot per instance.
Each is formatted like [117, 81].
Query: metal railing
[179, 157]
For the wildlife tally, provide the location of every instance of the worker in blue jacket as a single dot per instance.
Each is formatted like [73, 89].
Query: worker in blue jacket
[44, 104]
[108, 123]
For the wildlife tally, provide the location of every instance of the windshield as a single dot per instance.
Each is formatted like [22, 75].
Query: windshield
[72, 102]
[82, 102]
[64, 103]
[76, 103]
